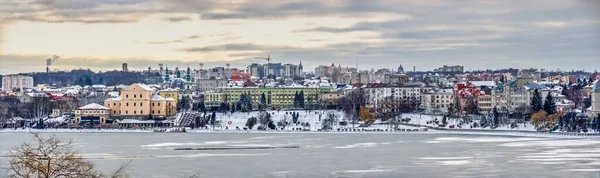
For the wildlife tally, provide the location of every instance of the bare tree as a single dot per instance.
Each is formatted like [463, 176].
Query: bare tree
[53, 158]
[39, 107]
[330, 120]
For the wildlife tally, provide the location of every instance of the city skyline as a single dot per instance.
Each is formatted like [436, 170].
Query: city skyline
[101, 35]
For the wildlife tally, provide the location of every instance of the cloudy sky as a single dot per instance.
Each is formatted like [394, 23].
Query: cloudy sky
[102, 34]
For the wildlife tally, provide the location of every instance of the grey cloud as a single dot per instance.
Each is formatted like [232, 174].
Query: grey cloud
[477, 30]
[193, 37]
[235, 47]
[84, 4]
[329, 29]
[177, 19]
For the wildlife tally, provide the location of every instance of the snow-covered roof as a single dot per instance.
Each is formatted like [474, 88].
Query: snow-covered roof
[533, 86]
[483, 83]
[114, 99]
[168, 89]
[92, 106]
[113, 94]
[144, 86]
[157, 97]
[71, 91]
[36, 94]
[98, 86]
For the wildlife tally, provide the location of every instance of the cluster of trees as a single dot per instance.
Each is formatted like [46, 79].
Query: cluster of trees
[265, 121]
[299, 99]
[244, 104]
[544, 114]
[37, 107]
[572, 122]
[201, 121]
[88, 77]
[184, 103]
[351, 104]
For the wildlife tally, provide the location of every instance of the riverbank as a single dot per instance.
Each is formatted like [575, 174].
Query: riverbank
[414, 130]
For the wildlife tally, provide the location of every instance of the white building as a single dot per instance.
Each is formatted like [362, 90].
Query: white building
[438, 100]
[377, 94]
[595, 109]
[11, 82]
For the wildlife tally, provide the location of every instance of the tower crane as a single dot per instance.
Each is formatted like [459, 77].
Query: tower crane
[268, 58]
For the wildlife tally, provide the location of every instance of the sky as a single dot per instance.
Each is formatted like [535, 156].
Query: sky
[103, 34]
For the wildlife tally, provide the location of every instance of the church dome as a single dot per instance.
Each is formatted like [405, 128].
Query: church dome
[178, 83]
[400, 69]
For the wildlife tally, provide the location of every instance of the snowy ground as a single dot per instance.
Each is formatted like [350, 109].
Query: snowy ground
[422, 119]
[71, 130]
[229, 121]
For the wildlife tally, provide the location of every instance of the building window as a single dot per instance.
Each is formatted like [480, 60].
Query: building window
[126, 104]
[126, 96]
[152, 111]
[133, 95]
[152, 104]
[134, 112]
[158, 111]
[141, 104]
[134, 104]
[126, 112]
[142, 112]
[114, 104]
[158, 104]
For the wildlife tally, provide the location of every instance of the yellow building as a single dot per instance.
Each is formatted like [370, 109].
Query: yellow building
[91, 115]
[214, 99]
[276, 97]
[169, 93]
[139, 101]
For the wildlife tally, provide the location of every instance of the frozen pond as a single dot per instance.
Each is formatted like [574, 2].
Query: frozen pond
[333, 155]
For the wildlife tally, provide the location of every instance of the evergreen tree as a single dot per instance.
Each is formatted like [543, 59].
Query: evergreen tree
[100, 80]
[596, 123]
[301, 99]
[549, 105]
[202, 107]
[296, 99]
[238, 106]
[263, 101]
[213, 118]
[232, 107]
[536, 101]
[496, 118]
[251, 122]
[444, 120]
[88, 81]
[80, 81]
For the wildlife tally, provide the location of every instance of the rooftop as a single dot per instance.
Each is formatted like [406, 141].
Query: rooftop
[92, 106]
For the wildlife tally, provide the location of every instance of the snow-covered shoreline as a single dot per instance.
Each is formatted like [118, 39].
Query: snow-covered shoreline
[440, 132]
